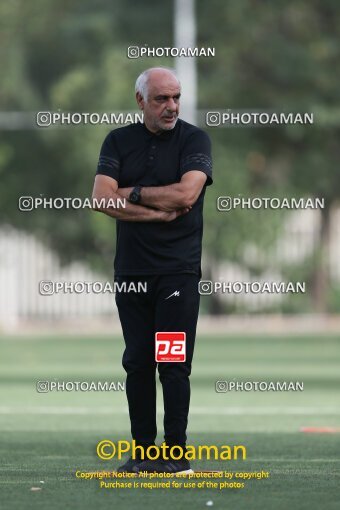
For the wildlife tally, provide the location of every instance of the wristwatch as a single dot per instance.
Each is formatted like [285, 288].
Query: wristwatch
[135, 195]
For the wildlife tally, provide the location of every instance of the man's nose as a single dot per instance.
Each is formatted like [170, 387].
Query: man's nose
[171, 105]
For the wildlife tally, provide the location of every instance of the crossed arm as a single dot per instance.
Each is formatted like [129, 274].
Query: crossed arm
[160, 203]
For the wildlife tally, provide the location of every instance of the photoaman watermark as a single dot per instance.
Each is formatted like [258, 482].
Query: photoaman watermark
[107, 450]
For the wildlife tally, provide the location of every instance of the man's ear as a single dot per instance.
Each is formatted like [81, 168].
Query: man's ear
[140, 100]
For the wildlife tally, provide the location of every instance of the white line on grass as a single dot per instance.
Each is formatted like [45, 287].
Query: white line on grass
[213, 411]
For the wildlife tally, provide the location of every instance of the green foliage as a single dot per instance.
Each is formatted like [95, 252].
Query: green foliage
[71, 56]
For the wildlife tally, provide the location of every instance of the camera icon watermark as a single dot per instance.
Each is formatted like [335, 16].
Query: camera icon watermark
[224, 203]
[213, 118]
[221, 386]
[46, 288]
[42, 386]
[133, 52]
[44, 119]
[26, 203]
[205, 287]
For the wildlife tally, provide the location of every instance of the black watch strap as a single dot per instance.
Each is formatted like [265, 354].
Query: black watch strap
[135, 195]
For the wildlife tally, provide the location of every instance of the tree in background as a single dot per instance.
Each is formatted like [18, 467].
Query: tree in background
[272, 56]
[281, 56]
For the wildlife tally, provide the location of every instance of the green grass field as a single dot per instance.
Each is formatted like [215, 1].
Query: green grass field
[49, 436]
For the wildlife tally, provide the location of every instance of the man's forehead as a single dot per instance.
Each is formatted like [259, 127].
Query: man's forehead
[163, 85]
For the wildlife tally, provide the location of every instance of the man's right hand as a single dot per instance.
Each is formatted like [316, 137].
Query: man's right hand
[172, 215]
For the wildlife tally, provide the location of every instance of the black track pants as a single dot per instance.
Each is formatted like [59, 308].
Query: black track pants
[171, 303]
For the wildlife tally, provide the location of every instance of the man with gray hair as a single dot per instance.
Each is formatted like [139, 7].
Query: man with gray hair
[161, 167]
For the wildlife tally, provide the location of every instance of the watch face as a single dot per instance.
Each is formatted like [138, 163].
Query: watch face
[135, 195]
